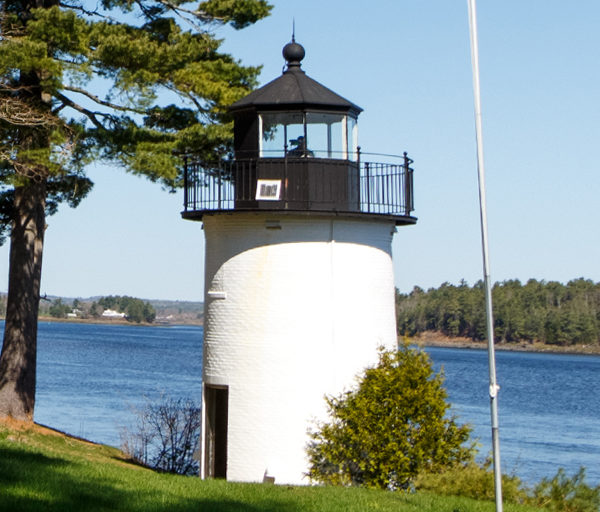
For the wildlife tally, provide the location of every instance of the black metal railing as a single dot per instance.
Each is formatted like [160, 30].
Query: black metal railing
[315, 184]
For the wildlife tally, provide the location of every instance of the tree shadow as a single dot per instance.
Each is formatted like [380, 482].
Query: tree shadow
[34, 482]
[15, 465]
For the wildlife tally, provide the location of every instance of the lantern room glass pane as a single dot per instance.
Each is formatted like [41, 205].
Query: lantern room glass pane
[324, 134]
[352, 134]
[278, 130]
[307, 134]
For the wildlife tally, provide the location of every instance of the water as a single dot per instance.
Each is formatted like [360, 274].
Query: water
[549, 408]
[91, 376]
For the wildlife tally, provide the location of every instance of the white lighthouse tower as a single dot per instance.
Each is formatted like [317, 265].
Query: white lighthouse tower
[299, 282]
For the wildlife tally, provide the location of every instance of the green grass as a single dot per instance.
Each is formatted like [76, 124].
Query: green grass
[43, 471]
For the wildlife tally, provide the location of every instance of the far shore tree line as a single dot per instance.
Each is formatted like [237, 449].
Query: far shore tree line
[135, 310]
[537, 311]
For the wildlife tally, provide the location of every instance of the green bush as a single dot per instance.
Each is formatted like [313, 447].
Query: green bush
[558, 494]
[564, 494]
[472, 481]
[391, 428]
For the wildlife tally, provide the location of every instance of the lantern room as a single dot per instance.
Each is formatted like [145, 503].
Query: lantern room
[296, 117]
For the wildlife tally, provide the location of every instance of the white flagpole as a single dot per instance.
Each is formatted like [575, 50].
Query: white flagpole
[486, 266]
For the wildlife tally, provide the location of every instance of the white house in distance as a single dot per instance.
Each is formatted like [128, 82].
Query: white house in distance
[109, 313]
[299, 289]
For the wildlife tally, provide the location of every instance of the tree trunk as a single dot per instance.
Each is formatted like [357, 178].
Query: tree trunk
[18, 358]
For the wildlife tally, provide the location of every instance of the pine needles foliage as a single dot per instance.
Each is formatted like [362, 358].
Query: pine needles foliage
[132, 84]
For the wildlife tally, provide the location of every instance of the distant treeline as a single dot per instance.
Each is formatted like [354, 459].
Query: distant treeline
[134, 309]
[549, 312]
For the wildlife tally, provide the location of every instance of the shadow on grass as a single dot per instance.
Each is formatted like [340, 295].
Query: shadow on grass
[32, 481]
[16, 464]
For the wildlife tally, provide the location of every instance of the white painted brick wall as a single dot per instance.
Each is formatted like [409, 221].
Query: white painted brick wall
[299, 313]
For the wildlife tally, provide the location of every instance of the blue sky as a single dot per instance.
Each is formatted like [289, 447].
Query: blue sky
[407, 63]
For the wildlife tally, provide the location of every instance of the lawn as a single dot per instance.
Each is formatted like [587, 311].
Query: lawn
[43, 470]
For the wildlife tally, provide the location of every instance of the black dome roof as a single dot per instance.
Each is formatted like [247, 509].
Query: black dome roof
[294, 90]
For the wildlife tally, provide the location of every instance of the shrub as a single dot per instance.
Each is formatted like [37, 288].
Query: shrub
[564, 494]
[472, 481]
[391, 428]
[558, 494]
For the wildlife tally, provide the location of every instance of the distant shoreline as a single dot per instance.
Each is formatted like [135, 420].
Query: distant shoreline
[434, 339]
[116, 321]
[427, 339]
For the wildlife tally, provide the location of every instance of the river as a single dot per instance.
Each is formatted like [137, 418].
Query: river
[92, 377]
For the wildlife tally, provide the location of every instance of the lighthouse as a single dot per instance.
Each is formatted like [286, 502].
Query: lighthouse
[299, 285]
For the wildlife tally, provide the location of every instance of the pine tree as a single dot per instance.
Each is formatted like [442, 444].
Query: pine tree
[128, 82]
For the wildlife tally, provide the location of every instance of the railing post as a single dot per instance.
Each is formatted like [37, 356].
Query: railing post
[284, 192]
[194, 185]
[359, 185]
[368, 178]
[185, 183]
[219, 181]
[407, 186]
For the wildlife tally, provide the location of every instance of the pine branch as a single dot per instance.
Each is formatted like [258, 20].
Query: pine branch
[102, 102]
[195, 18]
[83, 10]
[88, 113]
[199, 15]
[189, 96]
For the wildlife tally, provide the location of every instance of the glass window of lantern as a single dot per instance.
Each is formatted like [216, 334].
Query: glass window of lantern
[352, 138]
[279, 131]
[325, 135]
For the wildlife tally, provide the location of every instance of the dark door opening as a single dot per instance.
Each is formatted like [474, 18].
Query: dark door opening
[216, 401]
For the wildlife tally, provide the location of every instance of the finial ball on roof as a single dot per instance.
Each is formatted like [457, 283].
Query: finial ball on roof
[293, 53]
